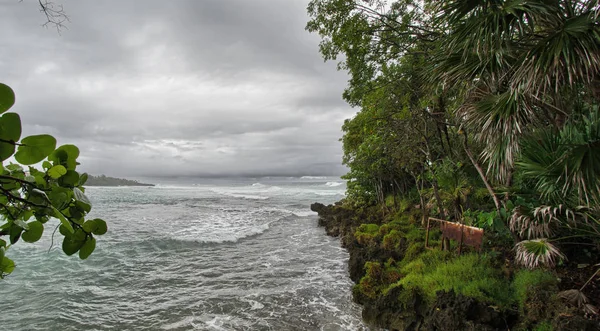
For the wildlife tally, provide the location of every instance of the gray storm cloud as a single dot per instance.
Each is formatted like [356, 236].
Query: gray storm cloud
[175, 88]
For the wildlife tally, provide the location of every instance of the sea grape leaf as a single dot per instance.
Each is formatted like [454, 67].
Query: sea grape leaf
[35, 148]
[70, 246]
[66, 155]
[57, 171]
[87, 248]
[7, 98]
[10, 127]
[34, 233]
[70, 179]
[7, 265]
[101, 227]
[14, 233]
[83, 179]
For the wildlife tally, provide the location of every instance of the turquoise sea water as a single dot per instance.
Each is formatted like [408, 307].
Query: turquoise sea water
[218, 254]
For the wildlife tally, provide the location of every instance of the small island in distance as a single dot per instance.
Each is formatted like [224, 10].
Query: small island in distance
[103, 180]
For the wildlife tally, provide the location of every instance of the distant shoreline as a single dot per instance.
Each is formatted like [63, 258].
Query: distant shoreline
[103, 180]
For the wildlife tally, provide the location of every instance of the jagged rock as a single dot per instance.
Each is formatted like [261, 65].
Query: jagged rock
[453, 312]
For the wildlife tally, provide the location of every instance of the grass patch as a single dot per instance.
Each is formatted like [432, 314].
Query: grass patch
[470, 275]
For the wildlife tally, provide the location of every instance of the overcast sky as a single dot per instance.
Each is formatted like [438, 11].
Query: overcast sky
[163, 88]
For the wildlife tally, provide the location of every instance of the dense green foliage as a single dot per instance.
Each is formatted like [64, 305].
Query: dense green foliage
[489, 107]
[29, 197]
[482, 112]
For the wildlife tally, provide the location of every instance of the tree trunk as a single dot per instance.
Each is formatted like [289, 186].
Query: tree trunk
[436, 193]
[482, 175]
[487, 183]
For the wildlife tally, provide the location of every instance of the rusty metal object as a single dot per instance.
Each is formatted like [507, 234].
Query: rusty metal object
[464, 234]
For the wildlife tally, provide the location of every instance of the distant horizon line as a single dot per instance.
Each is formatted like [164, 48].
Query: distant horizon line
[219, 176]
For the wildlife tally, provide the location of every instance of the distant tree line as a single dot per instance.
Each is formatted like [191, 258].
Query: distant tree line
[103, 180]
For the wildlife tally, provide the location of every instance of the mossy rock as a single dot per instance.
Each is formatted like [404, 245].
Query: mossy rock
[454, 312]
[366, 234]
[393, 240]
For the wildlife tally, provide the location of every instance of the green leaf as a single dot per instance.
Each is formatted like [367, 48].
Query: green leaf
[503, 214]
[87, 248]
[66, 155]
[64, 230]
[70, 245]
[7, 98]
[6, 150]
[70, 179]
[510, 206]
[83, 178]
[83, 207]
[60, 197]
[2, 243]
[36, 228]
[101, 227]
[63, 220]
[7, 266]
[10, 127]
[57, 171]
[14, 233]
[35, 148]
[90, 226]
[40, 193]
[46, 165]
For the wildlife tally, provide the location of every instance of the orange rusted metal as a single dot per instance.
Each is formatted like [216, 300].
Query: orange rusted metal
[464, 234]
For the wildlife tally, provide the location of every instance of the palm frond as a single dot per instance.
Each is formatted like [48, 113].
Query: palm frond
[526, 223]
[536, 253]
[565, 164]
[574, 297]
[564, 51]
[500, 119]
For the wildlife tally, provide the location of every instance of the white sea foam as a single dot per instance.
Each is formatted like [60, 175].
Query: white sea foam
[313, 177]
[329, 193]
[297, 212]
[247, 196]
[219, 234]
[304, 213]
[333, 184]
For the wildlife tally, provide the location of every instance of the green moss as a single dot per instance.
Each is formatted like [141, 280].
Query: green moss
[535, 295]
[392, 240]
[469, 275]
[377, 278]
[415, 234]
[526, 282]
[413, 251]
[388, 227]
[366, 233]
[543, 326]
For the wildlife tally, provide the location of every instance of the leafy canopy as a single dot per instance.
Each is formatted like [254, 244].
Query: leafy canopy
[30, 197]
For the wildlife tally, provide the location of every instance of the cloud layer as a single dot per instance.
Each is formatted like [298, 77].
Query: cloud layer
[178, 88]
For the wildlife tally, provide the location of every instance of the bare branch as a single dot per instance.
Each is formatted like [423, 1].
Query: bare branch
[55, 15]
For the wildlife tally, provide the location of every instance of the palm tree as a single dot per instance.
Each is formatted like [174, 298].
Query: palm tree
[529, 75]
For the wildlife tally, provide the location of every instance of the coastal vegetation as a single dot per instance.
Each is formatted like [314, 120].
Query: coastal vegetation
[103, 180]
[30, 197]
[483, 113]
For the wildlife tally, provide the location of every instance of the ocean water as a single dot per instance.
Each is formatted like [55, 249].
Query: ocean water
[218, 254]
